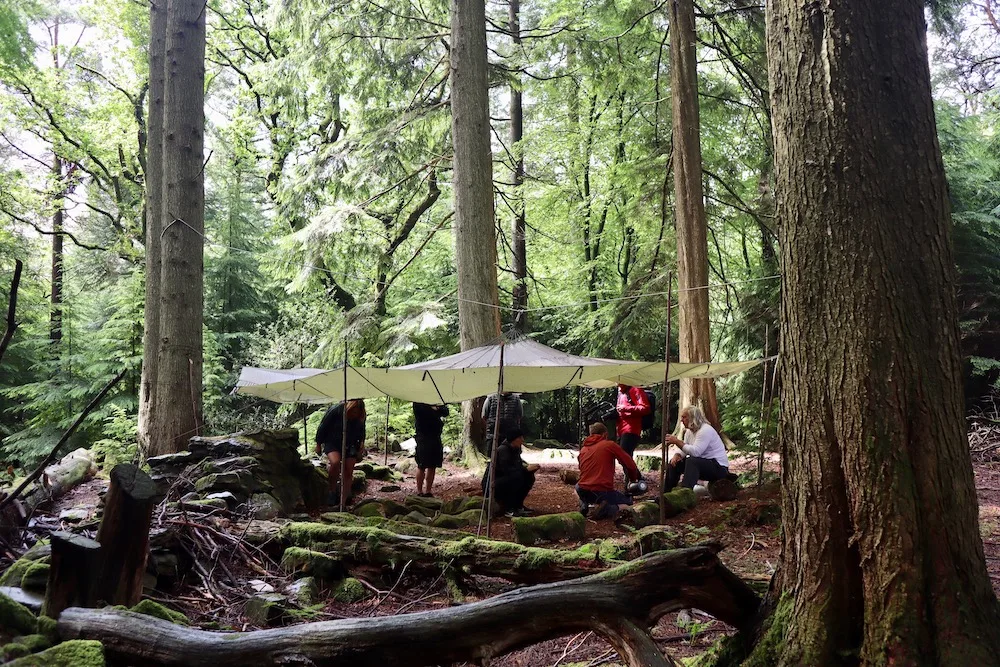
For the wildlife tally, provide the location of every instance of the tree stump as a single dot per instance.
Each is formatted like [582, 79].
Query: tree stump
[74, 571]
[124, 534]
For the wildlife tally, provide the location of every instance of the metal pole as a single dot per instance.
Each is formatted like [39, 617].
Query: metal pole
[579, 412]
[343, 441]
[493, 453]
[665, 398]
[388, 399]
[763, 402]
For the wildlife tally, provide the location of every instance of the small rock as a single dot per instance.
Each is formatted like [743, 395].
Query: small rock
[265, 608]
[700, 491]
[569, 476]
[723, 490]
[228, 497]
[417, 517]
[683, 618]
[259, 586]
[350, 590]
[389, 488]
[405, 465]
[303, 592]
[30, 600]
[75, 514]
[548, 527]
[265, 506]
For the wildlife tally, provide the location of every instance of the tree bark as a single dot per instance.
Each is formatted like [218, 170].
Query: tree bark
[518, 225]
[619, 604]
[153, 218]
[881, 549]
[15, 282]
[124, 534]
[56, 284]
[74, 571]
[176, 415]
[692, 235]
[475, 230]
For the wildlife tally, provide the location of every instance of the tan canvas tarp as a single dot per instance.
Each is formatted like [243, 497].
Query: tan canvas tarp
[528, 367]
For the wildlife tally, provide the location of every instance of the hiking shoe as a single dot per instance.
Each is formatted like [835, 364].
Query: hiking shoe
[523, 511]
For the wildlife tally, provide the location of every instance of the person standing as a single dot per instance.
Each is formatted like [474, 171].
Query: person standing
[704, 452]
[428, 423]
[330, 441]
[505, 408]
[597, 474]
[632, 405]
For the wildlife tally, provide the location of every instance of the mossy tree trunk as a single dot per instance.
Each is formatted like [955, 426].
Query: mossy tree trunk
[882, 557]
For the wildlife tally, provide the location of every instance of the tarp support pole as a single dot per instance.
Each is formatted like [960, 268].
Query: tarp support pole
[343, 441]
[493, 452]
[386, 459]
[665, 398]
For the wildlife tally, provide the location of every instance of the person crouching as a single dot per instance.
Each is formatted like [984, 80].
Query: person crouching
[597, 474]
[514, 477]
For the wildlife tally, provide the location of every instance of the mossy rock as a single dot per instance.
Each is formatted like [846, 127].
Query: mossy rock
[265, 609]
[642, 514]
[418, 518]
[297, 560]
[359, 482]
[241, 483]
[16, 617]
[47, 627]
[466, 518]
[461, 504]
[648, 463]
[549, 528]
[679, 500]
[157, 610]
[14, 650]
[74, 653]
[368, 508]
[39, 553]
[350, 590]
[569, 476]
[430, 506]
[391, 508]
[36, 577]
[203, 504]
[303, 592]
[378, 472]
[36, 642]
[265, 506]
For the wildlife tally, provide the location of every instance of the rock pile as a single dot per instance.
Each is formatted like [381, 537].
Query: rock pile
[262, 468]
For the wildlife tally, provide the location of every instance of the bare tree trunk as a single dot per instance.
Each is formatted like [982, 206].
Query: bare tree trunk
[882, 558]
[520, 258]
[176, 414]
[153, 217]
[56, 285]
[475, 230]
[692, 235]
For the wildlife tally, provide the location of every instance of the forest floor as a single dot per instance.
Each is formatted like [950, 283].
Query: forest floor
[747, 528]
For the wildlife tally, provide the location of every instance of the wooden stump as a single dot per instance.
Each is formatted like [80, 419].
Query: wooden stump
[74, 572]
[124, 534]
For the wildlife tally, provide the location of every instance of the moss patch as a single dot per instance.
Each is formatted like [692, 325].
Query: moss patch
[14, 650]
[767, 650]
[424, 505]
[462, 504]
[74, 653]
[36, 577]
[549, 527]
[298, 560]
[679, 500]
[466, 518]
[12, 575]
[16, 617]
[350, 590]
[35, 642]
[47, 627]
[157, 610]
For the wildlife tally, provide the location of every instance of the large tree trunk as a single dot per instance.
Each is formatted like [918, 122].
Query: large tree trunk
[882, 556]
[153, 217]
[176, 414]
[56, 298]
[519, 265]
[475, 231]
[692, 232]
[620, 605]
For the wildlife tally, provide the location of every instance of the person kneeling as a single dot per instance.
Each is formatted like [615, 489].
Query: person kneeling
[704, 453]
[597, 474]
[514, 477]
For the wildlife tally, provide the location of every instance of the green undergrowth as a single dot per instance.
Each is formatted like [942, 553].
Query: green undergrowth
[157, 610]
[73, 653]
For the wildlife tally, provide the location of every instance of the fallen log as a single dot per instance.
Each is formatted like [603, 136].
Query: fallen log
[620, 605]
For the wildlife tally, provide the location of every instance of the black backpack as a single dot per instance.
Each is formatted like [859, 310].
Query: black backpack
[649, 418]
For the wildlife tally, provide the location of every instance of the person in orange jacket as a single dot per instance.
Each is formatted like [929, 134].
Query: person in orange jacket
[632, 405]
[597, 474]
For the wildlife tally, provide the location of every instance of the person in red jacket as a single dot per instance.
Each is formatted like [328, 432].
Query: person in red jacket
[597, 474]
[632, 405]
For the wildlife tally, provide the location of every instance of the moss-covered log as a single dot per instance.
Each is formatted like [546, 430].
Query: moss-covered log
[620, 605]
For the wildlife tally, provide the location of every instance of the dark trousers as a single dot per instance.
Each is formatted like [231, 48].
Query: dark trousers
[512, 490]
[695, 468]
[614, 497]
[628, 442]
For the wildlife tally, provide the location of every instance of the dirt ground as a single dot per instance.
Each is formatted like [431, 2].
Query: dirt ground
[746, 528]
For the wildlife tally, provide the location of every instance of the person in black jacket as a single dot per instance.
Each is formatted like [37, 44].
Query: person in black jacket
[505, 408]
[330, 441]
[514, 477]
[428, 422]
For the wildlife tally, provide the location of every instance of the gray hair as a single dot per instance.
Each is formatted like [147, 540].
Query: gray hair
[696, 418]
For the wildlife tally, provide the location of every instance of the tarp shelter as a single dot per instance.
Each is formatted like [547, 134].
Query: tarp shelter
[528, 367]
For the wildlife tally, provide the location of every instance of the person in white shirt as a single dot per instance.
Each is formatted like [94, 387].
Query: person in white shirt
[704, 454]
